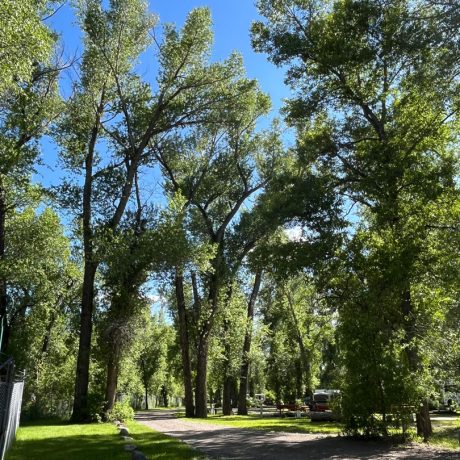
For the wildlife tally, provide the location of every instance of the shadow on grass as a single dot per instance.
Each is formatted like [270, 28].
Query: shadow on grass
[44, 422]
[57, 440]
[73, 447]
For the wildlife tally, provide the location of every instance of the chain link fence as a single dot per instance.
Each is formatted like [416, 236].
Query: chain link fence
[11, 389]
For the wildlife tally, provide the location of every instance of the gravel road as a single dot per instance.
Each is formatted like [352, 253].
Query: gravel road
[222, 442]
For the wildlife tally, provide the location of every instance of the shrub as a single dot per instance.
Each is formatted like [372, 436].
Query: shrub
[121, 411]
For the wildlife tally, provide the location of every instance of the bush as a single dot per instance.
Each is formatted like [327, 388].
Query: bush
[96, 407]
[121, 411]
[270, 398]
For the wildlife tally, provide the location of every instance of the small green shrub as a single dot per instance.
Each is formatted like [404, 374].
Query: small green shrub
[96, 407]
[121, 411]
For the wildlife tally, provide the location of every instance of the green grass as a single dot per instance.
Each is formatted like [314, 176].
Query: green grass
[54, 440]
[255, 422]
[445, 433]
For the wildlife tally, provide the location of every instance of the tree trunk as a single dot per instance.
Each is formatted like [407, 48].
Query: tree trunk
[202, 366]
[424, 427]
[184, 343]
[112, 380]
[229, 394]
[80, 411]
[80, 405]
[304, 355]
[46, 339]
[146, 397]
[203, 338]
[244, 372]
[228, 378]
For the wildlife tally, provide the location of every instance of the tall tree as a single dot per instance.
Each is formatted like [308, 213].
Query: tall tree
[114, 116]
[217, 169]
[30, 103]
[42, 291]
[377, 106]
[245, 358]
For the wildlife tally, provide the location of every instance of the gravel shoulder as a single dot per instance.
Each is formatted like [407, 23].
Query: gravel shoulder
[226, 442]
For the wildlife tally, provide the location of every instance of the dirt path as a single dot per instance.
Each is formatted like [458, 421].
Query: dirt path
[224, 442]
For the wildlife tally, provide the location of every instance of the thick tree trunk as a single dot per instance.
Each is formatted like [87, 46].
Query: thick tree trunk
[244, 371]
[80, 406]
[304, 355]
[228, 378]
[228, 395]
[202, 366]
[112, 380]
[146, 397]
[184, 343]
[424, 427]
[80, 411]
[203, 340]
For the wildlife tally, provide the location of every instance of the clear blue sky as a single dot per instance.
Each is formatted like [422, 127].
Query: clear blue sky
[232, 21]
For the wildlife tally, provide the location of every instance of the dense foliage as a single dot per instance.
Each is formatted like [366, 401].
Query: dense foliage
[261, 268]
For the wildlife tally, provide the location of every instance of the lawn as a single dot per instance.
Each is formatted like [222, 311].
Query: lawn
[446, 433]
[255, 422]
[55, 440]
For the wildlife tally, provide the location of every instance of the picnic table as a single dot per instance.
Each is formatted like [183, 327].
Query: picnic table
[292, 407]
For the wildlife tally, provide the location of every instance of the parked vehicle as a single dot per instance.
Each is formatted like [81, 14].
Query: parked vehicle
[321, 407]
[322, 400]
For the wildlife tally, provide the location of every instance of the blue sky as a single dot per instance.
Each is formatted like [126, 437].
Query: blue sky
[232, 21]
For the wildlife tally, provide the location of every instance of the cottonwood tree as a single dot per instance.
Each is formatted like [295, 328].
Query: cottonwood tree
[300, 324]
[128, 303]
[376, 106]
[30, 103]
[216, 168]
[43, 290]
[114, 116]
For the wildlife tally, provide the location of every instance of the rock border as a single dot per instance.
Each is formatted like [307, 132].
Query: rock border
[136, 454]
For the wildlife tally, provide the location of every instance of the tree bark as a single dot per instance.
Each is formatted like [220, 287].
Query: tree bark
[244, 372]
[228, 378]
[304, 355]
[80, 411]
[80, 406]
[184, 343]
[423, 421]
[226, 396]
[201, 384]
[112, 380]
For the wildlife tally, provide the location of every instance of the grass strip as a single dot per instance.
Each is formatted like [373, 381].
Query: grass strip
[287, 424]
[56, 440]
